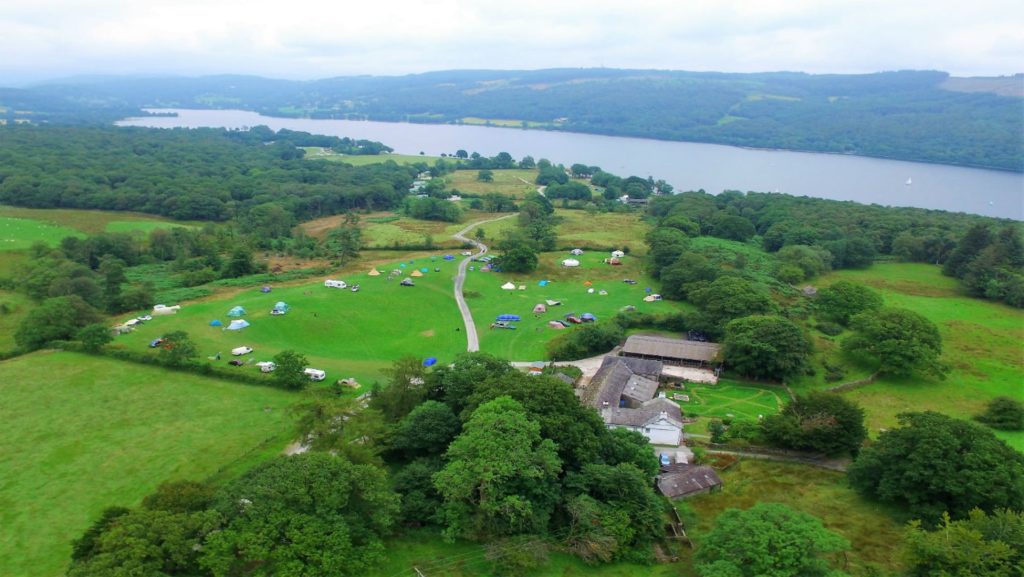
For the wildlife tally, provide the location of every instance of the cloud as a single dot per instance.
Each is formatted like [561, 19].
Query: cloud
[318, 38]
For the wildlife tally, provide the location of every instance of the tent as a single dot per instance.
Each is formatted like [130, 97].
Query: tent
[588, 283]
[280, 308]
[543, 283]
[588, 317]
[429, 361]
[509, 286]
[407, 282]
[552, 303]
[424, 269]
[540, 309]
[236, 312]
[416, 273]
[618, 254]
[614, 261]
[576, 251]
[449, 257]
[373, 272]
[555, 325]
[603, 293]
[508, 317]
[238, 325]
[265, 289]
[570, 262]
[216, 323]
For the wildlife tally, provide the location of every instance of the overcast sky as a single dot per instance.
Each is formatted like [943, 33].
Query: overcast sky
[42, 39]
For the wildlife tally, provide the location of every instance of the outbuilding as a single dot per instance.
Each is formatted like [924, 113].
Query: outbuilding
[672, 351]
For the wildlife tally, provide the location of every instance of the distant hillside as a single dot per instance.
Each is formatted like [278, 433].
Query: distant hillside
[1001, 85]
[909, 115]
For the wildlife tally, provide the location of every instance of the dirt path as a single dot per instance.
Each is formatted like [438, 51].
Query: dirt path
[472, 339]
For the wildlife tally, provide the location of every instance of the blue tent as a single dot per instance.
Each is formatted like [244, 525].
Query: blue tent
[543, 283]
[265, 289]
[402, 265]
[238, 325]
[449, 257]
[216, 323]
[588, 317]
[507, 317]
[424, 270]
[280, 308]
[236, 312]
[429, 361]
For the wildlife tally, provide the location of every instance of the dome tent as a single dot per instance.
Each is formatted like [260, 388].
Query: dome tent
[570, 262]
[236, 312]
[280, 308]
[509, 286]
[216, 323]
[237, 325]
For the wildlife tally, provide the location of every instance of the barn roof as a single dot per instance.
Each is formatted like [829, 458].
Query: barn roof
[650, 411]
[669, 348]
[611, 379]
[683, 480]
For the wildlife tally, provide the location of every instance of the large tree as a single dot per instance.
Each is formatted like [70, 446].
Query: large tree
[427, 430]
[980, 545]
[56, 319]
[933, 463]
[902, 341]
[823, 422]
[1004, 413]
[312, 514]
[845, 299]
[501, 476]
[290, 370]
[766, 347]
[731, 297]
[768, 539]
[178, 349]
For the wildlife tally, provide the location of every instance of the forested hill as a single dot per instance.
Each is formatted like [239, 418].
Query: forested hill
[908, 115]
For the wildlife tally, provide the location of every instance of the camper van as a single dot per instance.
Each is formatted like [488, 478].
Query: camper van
[315, 374]
[241, 351]
[335, 284]
[266, 366]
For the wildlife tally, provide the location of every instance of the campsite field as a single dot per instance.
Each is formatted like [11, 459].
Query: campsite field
[874, 531]
[509, 182]
[981, 342]
[80, 433]
[344, 333]
[608, 229]
[528, 342]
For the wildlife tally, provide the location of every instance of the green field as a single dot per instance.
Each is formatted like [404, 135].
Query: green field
[90, 221]
[509, 182]
[315, 152]
[609, 229]
[982, 342]
[527, 342]
[79, 434]
[873, 530]
[13, 308]
[22, 233]
[347, 334]
[732, 399]
[144, 226]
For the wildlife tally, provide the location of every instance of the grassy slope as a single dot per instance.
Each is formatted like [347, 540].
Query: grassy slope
[17, 307]
[21, 233]
[871, 529]
[602, 229]
[982, 343]
[347, 334]
[92, 221]
[315, 152]
[407, 231]
[82, 433]
[507, 182]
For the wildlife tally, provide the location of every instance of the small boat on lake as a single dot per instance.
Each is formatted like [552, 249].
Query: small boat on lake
[909, 181]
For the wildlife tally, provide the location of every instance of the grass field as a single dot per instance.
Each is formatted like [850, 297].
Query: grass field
[347, 334]
[21, 233]
[387, 229]
[315, 152]
[143, 226]
[982, 342]
[872, 530]
[13, 308]
[504, 122]
[508, 182]
[617, 229]
[528, 341]
[91, 221]
[79, 434]
[732, 399]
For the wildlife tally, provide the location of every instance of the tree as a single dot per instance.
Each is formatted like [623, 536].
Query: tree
[179, 497]
[731, 297]
[415, 483]
[485, 176]
[980, 545]
[811, 260]
[328, 420]
[312, 514]
[933, 463]
[978, 237]
[501, 477]
[427, 430]
[853, 252]
[240, 264]
[902, 341]
[55, 319]
[1003, 413]
[94, 336]
[460, 153]
[822, 422]
[405, 389]
[766, 347]
[178, 349]
[689, 272]
[733, 228]
[344, 242]
[768, 539]
[112, 270]
[844, 299]
[518, 256]
[290, 370]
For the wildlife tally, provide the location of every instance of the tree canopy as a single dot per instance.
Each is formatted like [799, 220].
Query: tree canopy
[823, 422]
[766, 347]
[902, 341]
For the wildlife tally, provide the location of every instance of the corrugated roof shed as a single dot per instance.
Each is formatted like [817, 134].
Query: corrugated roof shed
[669, 348]
[684, 480]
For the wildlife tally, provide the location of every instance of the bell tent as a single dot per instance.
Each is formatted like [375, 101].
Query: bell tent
[415, 273]
[373, 272]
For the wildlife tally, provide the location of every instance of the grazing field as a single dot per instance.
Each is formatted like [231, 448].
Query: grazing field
[431, 554]
[516, 183]
[982, 342]
[505, 122]
[316, 152]
[22, 233]
[732, 399]
[382, 230]
[79, 434]
[13, 308]
[345, 333]
[91, 221]
[873, 531]
[487, 300]
[609, 229]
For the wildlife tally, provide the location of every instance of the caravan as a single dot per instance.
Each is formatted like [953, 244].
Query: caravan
[335, 284]
[315, 374]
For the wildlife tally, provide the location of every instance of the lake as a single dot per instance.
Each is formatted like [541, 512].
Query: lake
[685, 165]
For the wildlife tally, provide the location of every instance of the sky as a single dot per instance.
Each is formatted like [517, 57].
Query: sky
[45, 39]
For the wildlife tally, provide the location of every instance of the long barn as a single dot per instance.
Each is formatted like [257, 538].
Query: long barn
[672, 351]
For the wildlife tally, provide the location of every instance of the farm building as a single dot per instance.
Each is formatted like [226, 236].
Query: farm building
[671, 351]
[623, 390]
[682, 480]
[660, 420]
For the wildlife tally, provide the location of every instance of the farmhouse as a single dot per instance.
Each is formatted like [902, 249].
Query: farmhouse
[660, 420]
[682, 480]
[671, 351]
[623, 390]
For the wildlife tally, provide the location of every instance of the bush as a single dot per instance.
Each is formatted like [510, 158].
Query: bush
[1003, 413]
[829, 328]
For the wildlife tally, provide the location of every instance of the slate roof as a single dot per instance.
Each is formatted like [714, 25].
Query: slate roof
[668, 348]
[615, 373]
[649, 412]
[684, 480]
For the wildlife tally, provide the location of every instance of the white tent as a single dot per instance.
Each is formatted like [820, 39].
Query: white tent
[576, 251]
[238, 325]
[618, 254]
[570, 262]
[509, 286]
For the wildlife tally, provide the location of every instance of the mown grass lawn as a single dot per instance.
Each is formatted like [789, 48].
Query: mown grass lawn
[983, 342]
[874, 531]
[528, 342]
[80, 433]
[347, 334]
[732, 399]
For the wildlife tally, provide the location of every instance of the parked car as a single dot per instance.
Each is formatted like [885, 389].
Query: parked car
[628, 281]
[467, 253]
[236, 362]
[241, 351]
[156, 343]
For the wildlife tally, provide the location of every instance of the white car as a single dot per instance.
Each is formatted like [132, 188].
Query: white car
[241, 351]
[467, 253]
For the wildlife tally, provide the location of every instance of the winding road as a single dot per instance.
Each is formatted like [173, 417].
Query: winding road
[472, 340]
